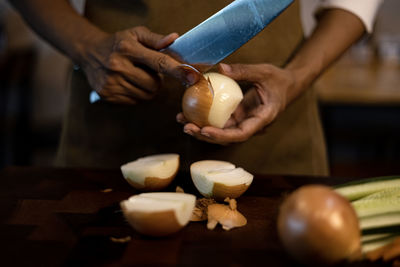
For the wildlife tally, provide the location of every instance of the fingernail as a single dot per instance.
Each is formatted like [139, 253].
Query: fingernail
[189, 132]
[206, 134]
[191, 79]
[225, 67]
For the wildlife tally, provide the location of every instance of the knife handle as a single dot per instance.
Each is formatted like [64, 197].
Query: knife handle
[95, 97]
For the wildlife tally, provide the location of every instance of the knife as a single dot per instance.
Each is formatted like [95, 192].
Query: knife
[221, 34]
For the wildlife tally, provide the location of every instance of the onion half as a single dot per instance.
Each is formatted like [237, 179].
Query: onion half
[220, 179]
[151, 173]
[160, 213]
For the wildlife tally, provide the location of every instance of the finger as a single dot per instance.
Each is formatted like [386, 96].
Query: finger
[146, 37]
[118, 85]
[166, 41]
[144, 51]
[191, 128]
[192, 75]
[162, 63]
[157, 61]
[130, 89]
[121, 99]
[241, 72]
[153, 40]
[237, 116]
[209, 140]
[181, 118]
[196, 132]
[199, 134]
[204, 137]
[145, 79]
[241, 133]
[230, 123]
[125, 89]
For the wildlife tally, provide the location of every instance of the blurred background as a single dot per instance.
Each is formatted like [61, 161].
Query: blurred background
[359, 95]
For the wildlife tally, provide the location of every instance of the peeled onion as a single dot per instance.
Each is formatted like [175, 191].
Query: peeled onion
[212, 100]
[319, 227]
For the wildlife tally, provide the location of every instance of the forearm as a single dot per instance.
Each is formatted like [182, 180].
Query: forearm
[57, 22]
[336, 31]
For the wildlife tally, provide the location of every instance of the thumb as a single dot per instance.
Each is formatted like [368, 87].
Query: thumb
[166, 41]
[240, 72]
[153, 40]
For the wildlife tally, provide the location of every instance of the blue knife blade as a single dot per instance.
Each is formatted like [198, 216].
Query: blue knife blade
[223, 33]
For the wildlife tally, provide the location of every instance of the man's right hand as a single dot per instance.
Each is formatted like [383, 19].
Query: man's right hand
[127, 67]
[124, 67]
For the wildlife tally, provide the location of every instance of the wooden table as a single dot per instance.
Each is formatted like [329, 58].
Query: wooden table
[350, 83]
[63, 217]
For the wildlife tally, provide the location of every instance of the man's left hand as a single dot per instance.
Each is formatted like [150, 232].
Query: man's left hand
[262, 103]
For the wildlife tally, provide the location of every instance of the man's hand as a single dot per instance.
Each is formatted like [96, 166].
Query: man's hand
[125, 67]
[274, 88]
[261, 104]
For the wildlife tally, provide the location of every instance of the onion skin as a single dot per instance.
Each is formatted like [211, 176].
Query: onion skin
[152, 184]
[222, 191]
[149, 223]
[220, 179]
[197, 101]
[200, 210]
[318, 227]
[212, 100]
[152, 181]
[227, 215]
[158, 214]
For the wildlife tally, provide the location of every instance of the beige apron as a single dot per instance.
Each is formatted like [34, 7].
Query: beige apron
[106, 135]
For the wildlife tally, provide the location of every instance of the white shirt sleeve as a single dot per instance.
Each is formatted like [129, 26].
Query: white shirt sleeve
[364, 9]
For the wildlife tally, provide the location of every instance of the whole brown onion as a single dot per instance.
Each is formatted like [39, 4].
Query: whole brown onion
[319, 227]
